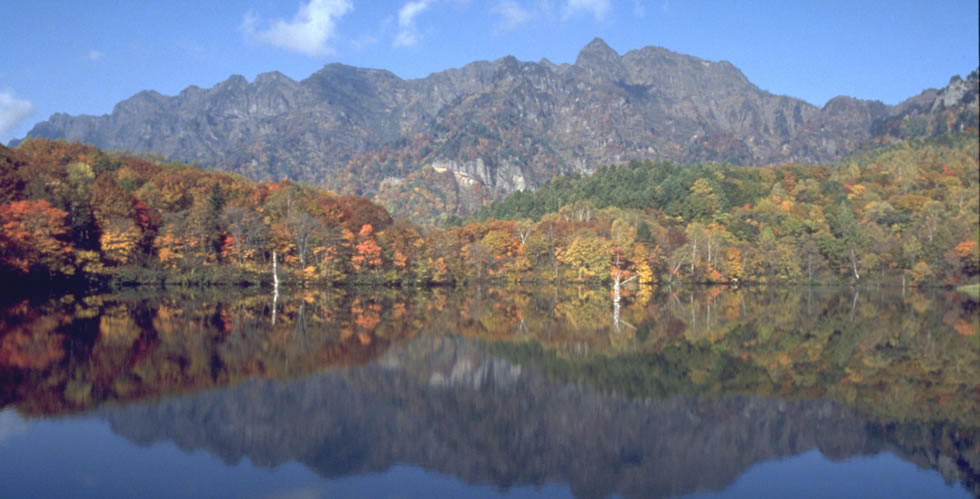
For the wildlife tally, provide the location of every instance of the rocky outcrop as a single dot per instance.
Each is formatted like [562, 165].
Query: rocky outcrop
[953, 109]
[507, 124]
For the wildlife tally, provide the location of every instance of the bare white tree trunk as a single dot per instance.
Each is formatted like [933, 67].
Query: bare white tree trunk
[616, 315]
[275, 287]
[694, 315]
[617, 295]
[523, 232]
[854, 303]
[275, 273]
[854, 265]
[694, 254]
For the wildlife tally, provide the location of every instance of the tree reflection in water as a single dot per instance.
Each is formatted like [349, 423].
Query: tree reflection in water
[517, 387]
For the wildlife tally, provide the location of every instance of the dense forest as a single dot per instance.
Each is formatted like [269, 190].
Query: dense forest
[906, 214]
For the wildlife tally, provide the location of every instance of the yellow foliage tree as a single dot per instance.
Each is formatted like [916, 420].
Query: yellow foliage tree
[588, 256]
[119, 240]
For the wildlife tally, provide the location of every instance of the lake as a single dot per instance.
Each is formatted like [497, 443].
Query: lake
[492, 392]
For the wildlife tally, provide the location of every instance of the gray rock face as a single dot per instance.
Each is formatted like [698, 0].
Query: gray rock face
[507, 124]
[959, 92]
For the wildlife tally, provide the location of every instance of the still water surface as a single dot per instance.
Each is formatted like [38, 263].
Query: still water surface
[492, 393]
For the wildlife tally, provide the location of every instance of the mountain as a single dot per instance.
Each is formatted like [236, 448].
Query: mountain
[491, 128]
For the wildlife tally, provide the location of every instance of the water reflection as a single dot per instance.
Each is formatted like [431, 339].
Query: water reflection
[504, 387]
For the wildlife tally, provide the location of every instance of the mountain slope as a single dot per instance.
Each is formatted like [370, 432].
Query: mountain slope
[500, 126]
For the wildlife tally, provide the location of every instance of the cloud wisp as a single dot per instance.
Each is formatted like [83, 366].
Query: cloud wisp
[597, 8]
[309, 32]
[12, 111]
[95, 55]
[511, 15]
[408, 34]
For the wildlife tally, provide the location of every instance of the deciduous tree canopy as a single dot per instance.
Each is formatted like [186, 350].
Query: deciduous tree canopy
[906, 214]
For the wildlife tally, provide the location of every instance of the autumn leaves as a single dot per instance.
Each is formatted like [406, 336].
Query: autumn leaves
[901, 215]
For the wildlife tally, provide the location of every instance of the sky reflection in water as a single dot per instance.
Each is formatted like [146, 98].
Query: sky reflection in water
[81, 457]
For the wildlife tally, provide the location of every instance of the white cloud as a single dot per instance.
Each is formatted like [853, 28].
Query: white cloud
[597, 8]
[95, 55]
[309, 31]
[408, 34]
[12, 111]
[511, 15]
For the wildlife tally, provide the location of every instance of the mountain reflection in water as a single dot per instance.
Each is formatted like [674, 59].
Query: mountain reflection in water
[508, 388]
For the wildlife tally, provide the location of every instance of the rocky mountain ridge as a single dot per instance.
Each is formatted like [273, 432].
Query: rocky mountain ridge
[501, 126]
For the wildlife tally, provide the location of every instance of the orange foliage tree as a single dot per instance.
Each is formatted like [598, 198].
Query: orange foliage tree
[367, 253]
[33, 235]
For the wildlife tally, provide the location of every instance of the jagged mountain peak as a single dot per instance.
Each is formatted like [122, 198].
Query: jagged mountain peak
[342, 74]
[501, 125]
[959, 92]
[600, 62]
[597, 48]
[272, 77]
[233, 82]
[339, 66]
[141, 102]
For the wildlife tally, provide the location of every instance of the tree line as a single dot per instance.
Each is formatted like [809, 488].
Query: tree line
[905, 214]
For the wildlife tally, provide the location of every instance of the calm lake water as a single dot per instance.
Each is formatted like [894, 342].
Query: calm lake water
[706, 392]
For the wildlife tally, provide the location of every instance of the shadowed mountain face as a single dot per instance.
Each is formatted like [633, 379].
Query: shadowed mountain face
[447, 406]
[496, 127]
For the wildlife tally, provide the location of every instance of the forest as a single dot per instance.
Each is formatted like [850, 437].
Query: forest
[907, 214]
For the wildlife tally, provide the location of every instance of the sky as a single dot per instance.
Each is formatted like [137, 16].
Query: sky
[83, 57]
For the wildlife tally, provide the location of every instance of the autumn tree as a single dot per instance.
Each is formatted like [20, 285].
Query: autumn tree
[402, 244]
[212, 226]
[702, 202]
[85, 231]
[588, 255]
[367, 253]
[305, 231]
[248, 234]
[34, 236]
[850, 237]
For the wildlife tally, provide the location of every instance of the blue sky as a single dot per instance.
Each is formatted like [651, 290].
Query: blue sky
[82, 57]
